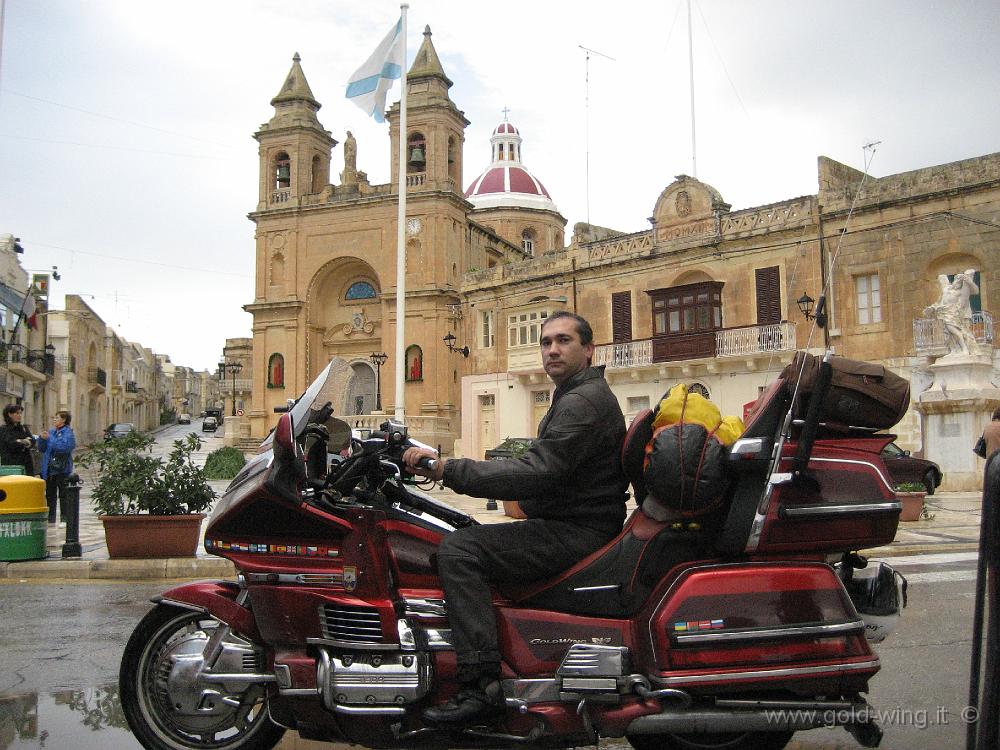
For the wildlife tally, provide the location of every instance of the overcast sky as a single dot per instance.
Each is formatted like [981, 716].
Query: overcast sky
[127, 159]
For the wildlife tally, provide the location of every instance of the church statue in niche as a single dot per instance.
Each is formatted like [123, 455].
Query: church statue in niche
[414, 363]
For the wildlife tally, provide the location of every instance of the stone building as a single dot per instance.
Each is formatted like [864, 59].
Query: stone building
[705, 294]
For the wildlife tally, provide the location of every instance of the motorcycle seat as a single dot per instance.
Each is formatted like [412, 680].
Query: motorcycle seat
[617, 579]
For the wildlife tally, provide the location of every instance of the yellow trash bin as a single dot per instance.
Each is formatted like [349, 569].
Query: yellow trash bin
[23, 515]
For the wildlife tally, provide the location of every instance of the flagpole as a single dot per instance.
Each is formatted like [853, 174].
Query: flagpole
[401, 241]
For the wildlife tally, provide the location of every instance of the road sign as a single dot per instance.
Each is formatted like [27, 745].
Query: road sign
[239, 412]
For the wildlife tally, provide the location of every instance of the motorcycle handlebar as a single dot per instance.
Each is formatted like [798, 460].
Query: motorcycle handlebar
[427, 463]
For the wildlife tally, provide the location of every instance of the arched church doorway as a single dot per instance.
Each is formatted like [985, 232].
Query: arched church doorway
[360, 396]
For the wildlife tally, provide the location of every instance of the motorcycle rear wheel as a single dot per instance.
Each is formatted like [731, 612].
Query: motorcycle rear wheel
[149, 695]
[714, 741]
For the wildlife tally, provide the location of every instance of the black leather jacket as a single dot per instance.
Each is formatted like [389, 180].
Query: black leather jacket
[572, 472]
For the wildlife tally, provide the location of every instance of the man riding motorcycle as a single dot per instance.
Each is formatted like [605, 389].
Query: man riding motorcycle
[570, 488]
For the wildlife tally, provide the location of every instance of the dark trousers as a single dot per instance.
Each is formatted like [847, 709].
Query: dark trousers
[470, 559]
[55, 485]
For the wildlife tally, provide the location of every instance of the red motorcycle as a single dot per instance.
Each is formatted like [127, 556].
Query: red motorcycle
[729, 631]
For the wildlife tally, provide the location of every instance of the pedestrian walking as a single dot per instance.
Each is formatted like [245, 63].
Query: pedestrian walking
[57, 463]
[992, 434]
[16, 440]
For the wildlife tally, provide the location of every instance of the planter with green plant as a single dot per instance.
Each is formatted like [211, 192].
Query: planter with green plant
[911, 495]
[224, 463]
[149, 507]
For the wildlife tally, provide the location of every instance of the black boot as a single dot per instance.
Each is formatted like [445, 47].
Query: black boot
[476, 701]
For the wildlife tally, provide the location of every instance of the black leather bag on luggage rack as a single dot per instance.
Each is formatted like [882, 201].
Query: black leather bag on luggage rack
[861, 394]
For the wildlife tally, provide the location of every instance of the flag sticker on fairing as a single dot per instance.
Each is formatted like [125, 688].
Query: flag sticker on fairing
[693, 625]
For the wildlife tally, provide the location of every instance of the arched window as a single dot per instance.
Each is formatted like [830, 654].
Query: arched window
[276, 371]
[528, 241]
[282, 171]
[360, 290]
[414, 363]
[416, 156]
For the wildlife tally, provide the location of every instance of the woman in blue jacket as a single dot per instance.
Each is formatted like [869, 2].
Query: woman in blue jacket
[57, 463]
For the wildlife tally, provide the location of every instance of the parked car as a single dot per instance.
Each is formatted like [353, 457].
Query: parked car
[512, 447]
[211, 424]
[184, 419]
[118, 429]
[906, 468]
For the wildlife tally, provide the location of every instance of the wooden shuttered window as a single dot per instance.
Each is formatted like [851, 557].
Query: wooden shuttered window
[621, 317]
[768, 295]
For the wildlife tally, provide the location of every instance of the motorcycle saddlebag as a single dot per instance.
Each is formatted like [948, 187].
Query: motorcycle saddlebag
[862, 394]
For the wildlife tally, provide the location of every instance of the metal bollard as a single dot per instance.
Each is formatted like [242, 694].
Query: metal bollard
[72, 547]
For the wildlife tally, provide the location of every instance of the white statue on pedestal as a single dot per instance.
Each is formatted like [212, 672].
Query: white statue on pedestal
[955, 312]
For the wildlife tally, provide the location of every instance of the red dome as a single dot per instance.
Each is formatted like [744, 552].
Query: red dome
[506, 183]
[506, 180]
[505, 128]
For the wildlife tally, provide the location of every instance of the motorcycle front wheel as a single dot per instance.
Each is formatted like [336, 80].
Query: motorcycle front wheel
[711, 741]
[170, 706]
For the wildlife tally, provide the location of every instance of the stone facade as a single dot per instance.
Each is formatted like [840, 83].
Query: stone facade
[705, 295]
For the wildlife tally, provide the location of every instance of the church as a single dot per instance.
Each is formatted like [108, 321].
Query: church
[716, 298]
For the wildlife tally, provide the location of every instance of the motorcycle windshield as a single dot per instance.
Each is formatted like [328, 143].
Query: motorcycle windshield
[328, 388]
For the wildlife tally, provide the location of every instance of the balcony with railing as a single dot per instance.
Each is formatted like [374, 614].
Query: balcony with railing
[31, 364]
[742, 341]
[243, 385]
[930, 339]
[97, 376]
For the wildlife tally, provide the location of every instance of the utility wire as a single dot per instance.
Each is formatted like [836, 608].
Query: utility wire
[116, 148]
[142, 260]
[118, 119]
[722, 62]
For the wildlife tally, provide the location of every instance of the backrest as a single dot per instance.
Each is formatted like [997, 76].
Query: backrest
[639, 433]
[764, 420]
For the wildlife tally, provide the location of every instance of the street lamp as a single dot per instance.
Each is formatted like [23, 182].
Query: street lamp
[449, 341]
[378, 359]
[232, 367]
[805, 303]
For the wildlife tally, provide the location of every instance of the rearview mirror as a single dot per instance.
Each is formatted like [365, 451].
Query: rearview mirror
[284, 437]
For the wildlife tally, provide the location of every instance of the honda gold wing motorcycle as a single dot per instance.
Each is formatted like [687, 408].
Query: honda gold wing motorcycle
[734, 631]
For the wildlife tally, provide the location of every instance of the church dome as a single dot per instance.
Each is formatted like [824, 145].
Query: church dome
[507, 183]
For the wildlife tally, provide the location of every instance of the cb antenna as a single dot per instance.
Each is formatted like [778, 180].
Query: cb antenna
[586, 118]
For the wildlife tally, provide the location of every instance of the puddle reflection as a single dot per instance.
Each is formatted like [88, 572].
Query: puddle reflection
[90, 719]
[78, 719]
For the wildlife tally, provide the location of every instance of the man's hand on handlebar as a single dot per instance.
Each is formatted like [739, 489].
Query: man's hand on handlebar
[424, 462]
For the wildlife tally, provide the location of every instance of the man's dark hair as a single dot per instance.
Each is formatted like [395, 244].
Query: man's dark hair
[582, 326]
[66, 416]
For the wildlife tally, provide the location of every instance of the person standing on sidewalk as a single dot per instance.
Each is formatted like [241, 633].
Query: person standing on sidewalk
[992, 434]
[16, 440]
[57, 463]
[571, 490]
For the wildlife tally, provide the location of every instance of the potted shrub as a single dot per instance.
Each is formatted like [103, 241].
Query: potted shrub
[149, 507]
[911, 495]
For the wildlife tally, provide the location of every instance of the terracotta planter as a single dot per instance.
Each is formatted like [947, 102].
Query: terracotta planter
[145, 536]
[913, 504]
